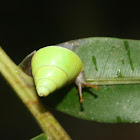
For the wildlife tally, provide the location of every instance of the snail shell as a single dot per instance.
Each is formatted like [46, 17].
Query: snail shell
[54, 67]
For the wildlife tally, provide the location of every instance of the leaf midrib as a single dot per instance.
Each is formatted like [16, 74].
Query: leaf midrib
[114, 81]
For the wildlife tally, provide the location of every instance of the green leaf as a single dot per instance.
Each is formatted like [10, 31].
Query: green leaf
[40, 137]
[114, 65]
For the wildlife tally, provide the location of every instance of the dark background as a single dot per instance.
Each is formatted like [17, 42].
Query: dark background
[26, 26]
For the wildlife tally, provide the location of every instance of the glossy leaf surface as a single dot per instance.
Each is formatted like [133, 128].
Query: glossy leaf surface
[114, 65]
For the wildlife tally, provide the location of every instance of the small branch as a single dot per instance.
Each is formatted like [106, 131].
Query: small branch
[24, 88]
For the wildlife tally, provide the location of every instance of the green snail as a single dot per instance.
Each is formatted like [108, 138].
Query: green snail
[53, 67]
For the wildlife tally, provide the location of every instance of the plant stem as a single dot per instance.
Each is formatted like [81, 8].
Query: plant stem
[24, 88]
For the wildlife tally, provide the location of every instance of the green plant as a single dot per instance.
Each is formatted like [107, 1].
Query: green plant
[111, 63]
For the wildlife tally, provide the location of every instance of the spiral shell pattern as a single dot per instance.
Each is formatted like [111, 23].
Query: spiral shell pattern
[53, 67]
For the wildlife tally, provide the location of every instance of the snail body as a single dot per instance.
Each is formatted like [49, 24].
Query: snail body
[54, 67]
